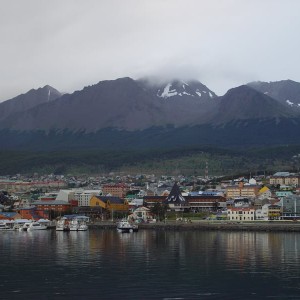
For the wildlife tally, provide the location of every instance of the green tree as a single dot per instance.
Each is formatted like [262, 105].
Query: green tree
[159, 210]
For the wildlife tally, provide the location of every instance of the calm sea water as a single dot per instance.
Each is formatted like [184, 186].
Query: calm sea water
[105, 264]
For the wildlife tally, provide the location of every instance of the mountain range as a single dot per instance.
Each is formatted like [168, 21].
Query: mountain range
[144, 114]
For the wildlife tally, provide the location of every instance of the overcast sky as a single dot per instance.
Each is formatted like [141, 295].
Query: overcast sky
[70, 44]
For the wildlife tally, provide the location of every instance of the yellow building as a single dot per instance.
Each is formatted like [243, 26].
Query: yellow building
[109, 203]
[264, 192]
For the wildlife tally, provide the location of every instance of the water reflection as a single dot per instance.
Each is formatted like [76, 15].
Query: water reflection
[151, 264]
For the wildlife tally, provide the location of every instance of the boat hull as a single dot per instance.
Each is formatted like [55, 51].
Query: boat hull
[127, 230]
[126, 227]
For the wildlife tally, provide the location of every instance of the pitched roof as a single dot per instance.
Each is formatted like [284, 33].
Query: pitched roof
[175, 195]
[111, 199]
[263, 189]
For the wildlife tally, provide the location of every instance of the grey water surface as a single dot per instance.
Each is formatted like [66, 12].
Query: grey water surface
[105, 264]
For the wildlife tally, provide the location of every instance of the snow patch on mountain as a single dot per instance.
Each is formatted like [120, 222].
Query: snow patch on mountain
[181, 88]
[168, 92]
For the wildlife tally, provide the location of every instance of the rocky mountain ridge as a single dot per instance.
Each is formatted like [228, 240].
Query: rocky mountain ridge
[135, 113]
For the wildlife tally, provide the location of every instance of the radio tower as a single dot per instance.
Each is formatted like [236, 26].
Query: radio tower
[206, 171]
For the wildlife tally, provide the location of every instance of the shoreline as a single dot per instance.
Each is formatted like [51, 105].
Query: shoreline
[268, 226]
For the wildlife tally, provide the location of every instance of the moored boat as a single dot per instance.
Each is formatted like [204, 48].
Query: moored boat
[7, 225]
[124, 226]
[36, 226]
[82, 226]
[25, 226]
[20, 224]
[78, 225]
[74, 225]
[62, 225]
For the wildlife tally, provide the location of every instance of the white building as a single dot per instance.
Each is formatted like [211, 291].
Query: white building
[241, 213]
[262, 213]
[84, 196]
[65, 195]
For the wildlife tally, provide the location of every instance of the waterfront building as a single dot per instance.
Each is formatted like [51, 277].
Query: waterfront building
[206, 202]
[193, 203]
[52, 206]
[241, 214]
[142, 214]
[262, 213]
[274, 212]
[291, 207]
[32, 213]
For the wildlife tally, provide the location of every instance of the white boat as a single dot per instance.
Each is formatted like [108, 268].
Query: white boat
[36, 226]
[82, 226]
[62, 225]
[25, 226]
[7, 225]
[20, 224]
[74, 225]
[78, 225]
[124, 226]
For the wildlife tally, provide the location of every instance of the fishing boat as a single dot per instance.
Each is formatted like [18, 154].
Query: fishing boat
[124, 226]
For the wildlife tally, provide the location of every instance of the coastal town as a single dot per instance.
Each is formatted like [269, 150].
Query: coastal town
[151, 199]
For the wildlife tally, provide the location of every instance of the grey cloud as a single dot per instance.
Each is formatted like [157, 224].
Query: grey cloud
[223, 43]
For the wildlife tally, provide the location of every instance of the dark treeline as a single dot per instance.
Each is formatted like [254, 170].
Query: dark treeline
[102, 161]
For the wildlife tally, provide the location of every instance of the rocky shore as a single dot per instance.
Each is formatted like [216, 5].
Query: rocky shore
[273, 226]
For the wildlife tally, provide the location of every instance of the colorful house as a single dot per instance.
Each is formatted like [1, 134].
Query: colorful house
[109, 203]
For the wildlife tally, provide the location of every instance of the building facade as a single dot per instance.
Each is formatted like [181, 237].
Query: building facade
[241, 214]
[241, 190]
[116, 190]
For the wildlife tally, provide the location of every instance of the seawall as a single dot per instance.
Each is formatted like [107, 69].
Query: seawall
[273, 226]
